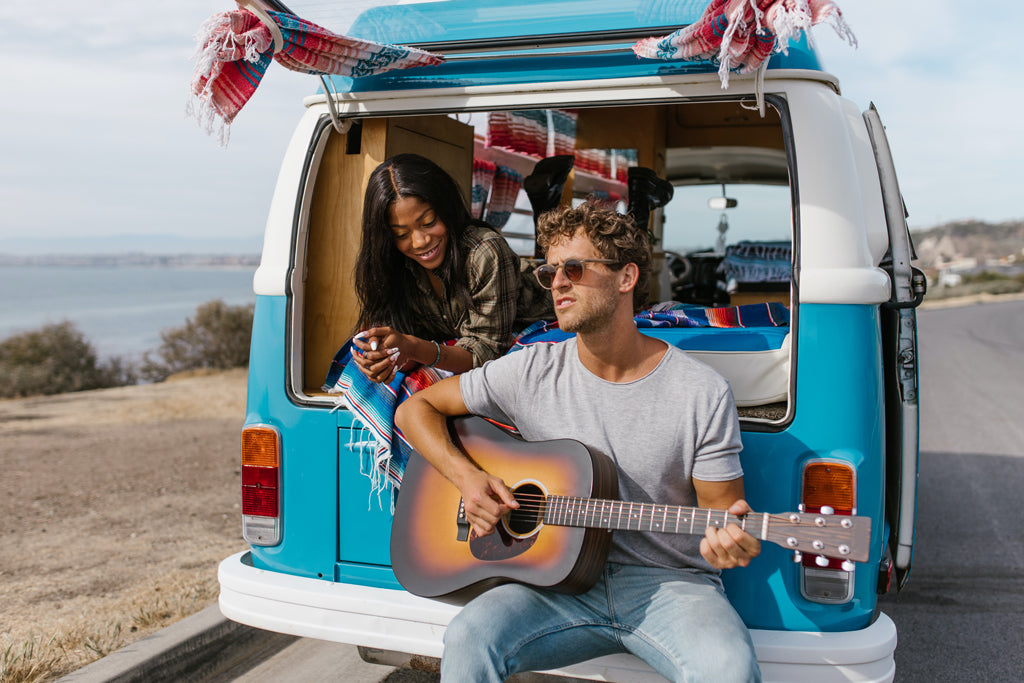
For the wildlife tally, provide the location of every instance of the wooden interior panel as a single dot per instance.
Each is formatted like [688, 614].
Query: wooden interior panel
[707, 124]
[330, 304]
[743, 298]
[639, 128]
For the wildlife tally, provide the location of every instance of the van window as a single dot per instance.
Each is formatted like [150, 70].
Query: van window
[704, 257]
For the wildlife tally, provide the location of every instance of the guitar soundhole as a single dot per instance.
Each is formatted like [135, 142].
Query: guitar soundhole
[530, 514]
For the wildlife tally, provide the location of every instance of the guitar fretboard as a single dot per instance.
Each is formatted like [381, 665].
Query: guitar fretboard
[614, 514]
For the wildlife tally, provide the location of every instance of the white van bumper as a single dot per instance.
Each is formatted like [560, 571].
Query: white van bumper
[393, 620]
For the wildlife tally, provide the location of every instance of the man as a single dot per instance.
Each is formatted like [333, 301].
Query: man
[670, 425]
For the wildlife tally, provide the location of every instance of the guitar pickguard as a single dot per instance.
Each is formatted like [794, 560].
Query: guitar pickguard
[500, 545]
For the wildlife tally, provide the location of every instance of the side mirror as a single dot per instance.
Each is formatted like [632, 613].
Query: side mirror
[720, 203]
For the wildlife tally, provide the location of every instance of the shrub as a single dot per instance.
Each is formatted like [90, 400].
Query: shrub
[54, 359]
[217, 338]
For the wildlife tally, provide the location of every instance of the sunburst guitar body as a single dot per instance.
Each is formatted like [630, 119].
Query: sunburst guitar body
[560, 535]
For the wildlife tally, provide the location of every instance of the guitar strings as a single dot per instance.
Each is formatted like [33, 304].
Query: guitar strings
[569, 508]
[647, 512]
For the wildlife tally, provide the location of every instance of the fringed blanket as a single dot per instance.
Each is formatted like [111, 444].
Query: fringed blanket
[235, 49]
[373, 407]
[742, 34]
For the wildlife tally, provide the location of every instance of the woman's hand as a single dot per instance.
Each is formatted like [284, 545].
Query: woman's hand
[385, 352]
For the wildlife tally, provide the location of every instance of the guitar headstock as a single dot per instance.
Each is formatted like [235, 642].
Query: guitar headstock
[841, 537]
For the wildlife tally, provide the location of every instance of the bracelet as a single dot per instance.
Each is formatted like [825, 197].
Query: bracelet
[438, 359]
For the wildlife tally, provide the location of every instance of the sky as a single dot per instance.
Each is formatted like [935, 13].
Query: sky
[94, 140]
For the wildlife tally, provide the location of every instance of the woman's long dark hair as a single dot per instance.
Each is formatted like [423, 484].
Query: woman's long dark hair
[383, 282]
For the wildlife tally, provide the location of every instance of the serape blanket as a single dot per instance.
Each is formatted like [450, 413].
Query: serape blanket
[750, 261]
[236, 47]
[483, 180]
[373, 407]
[769, 314]
[741, 34]
[504, 190]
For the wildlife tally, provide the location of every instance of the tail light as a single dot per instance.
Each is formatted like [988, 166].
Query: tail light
[827, 488]
[261, 485]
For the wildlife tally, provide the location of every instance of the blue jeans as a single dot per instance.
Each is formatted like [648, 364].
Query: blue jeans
[679, 622]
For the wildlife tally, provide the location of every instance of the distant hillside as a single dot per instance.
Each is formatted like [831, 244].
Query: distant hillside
[963, 241]
[129, 244]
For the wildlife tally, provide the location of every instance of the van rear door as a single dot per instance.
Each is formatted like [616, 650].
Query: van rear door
[899, 348]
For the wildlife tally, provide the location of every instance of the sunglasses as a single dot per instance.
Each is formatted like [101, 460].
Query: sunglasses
[573, 269]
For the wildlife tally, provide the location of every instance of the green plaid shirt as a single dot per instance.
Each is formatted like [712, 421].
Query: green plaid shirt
[506, 296]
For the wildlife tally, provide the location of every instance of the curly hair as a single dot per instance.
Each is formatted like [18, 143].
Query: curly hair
[615, 237]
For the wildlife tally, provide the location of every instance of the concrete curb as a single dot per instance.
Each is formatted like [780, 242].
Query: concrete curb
[204, 646]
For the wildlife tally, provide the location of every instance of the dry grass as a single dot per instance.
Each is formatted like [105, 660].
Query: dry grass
[44, 657]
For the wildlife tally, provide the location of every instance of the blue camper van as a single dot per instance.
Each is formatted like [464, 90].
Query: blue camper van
[784, 193]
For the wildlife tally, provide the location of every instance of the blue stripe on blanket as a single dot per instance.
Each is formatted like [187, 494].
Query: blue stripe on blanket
[373, 407]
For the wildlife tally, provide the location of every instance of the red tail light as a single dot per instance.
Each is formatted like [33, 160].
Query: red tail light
[830, 488]
[261, 485]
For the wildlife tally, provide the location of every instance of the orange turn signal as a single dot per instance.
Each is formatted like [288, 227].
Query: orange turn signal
[261, 447]
[829, 484]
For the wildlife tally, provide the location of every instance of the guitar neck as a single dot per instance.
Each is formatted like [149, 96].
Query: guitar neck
[668, 519]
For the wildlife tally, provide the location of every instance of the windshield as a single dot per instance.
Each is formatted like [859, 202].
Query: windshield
[761, 214]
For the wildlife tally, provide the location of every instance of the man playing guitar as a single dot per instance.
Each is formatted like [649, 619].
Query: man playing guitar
[670, 425]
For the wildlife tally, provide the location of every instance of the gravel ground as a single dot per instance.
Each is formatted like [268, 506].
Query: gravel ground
[115, 507]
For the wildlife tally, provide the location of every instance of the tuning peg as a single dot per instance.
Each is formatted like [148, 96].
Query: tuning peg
[827, 510]
[821, 560]
[797, 556]
[847, 566]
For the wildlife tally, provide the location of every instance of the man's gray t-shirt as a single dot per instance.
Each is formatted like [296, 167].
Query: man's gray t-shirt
[677, 422]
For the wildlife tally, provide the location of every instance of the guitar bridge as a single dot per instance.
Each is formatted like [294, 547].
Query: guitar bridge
[461, 523]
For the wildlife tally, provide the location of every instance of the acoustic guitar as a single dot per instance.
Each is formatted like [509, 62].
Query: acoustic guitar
[559, 536]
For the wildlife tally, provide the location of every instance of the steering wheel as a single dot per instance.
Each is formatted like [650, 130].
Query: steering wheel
[679, 267]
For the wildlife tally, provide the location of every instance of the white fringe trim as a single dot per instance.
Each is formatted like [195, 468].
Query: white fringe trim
[213, 38]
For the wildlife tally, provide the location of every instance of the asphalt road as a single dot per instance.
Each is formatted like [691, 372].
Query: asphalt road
[961, 616]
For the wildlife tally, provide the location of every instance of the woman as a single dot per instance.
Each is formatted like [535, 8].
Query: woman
[428, 272]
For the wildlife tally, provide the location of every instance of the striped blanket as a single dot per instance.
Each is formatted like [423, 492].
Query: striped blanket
[742, 34]
[771, 314]
[235, 48]
[386, 452]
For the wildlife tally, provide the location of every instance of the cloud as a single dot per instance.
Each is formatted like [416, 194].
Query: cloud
[94, 133]
[95, 138]
[942, 76]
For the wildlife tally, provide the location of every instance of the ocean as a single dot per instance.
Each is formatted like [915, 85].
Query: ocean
[120, 310]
